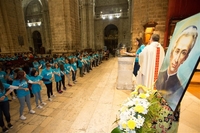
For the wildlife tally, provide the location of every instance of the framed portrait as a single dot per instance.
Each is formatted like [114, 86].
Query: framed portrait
[181, 60]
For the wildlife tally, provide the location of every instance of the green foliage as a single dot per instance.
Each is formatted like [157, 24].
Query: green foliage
[116, 130]
[151, 117]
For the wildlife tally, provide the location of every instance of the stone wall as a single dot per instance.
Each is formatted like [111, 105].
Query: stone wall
[71, 29]
[144, 11]
[123, 26]
[122, 23]
[13, 30]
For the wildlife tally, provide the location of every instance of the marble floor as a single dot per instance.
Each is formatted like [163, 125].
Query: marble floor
[91, 106]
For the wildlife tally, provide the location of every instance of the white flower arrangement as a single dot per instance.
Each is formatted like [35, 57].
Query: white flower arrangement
[134, 114]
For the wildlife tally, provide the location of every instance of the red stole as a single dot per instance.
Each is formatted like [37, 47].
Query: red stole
[157, 63]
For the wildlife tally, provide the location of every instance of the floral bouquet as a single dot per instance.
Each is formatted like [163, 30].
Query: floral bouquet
[138, 112]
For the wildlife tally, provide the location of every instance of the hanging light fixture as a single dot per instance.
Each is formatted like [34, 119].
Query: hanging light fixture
[34, 24]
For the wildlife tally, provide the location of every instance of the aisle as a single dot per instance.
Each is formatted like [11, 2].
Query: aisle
[195, 85]
[90, 106]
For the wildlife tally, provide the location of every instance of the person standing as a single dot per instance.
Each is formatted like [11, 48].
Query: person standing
[74, 69]
[150, 61]
[57, 77]
[67, 67]
[47, 75]
[36, 65]
[4, 105]
[23, 95]
[36, 88]
[141, 46]
[9, 78]
[2, 74]
[80, 65]
[42, 62]
[62, 74]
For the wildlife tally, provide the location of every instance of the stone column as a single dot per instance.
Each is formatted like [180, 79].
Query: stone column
[58, 25]
[132, 26]
[68, 22]
[46, 30]
[77, 38]
[83, 9]
[90, 24]
[6, 38]
[14, 27]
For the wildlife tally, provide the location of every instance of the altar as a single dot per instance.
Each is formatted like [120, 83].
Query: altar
[125, 72]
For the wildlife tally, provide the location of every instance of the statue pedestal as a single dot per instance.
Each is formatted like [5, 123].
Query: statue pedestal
[125, 73]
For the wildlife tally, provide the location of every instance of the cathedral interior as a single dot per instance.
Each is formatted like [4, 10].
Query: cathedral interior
[48, 27]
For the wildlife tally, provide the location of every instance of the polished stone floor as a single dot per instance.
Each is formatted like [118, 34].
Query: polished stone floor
[91, 106]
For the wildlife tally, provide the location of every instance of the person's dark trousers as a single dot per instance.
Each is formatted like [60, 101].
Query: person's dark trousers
[88, 68]
[4, 109]
[58, 86]
[73, 75]
[136, 68]
[49, 89]
[63, 80]
[96, 62]
[81, 71]
[93, 63]
[85, 68]
[30, 89]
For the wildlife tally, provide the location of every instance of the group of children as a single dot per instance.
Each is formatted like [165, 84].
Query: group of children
[31, 83]
[26, 80]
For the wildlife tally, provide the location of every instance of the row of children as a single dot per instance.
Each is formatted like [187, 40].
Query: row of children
[20, 80]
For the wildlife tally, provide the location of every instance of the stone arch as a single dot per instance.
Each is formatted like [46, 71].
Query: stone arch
[41, 15]
[111, 37]
[37, 41]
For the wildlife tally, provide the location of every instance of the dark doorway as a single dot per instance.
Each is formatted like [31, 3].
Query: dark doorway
[111, 38]
[37, 41]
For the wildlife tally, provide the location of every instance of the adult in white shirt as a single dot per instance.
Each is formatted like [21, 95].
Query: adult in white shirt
[150, 61]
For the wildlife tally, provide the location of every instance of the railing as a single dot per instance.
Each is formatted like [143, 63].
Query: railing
[112, 15]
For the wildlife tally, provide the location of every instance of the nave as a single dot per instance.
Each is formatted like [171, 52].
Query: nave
[90, 106]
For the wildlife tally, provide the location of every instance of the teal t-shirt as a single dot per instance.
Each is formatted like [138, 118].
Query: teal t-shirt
[23, 84]
[139, 50]
[67, 67]
[2, 93]
[57, 77]
[35, 87]
[47, 75]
